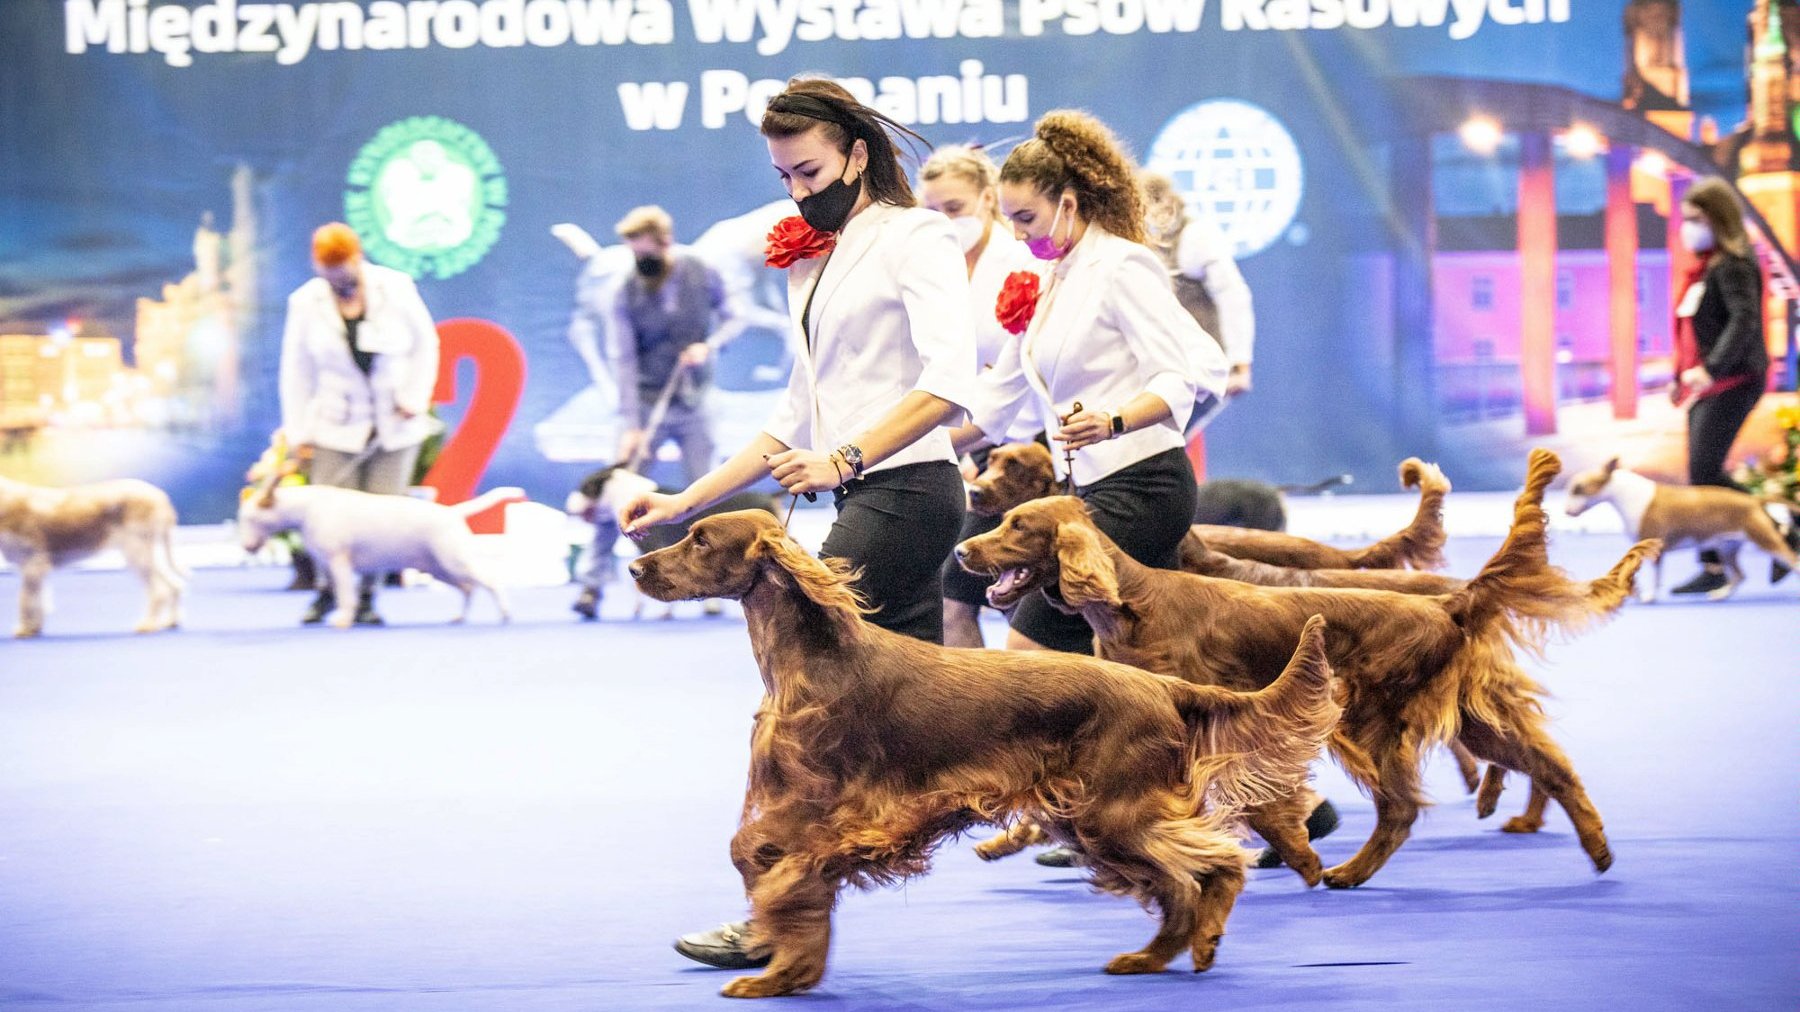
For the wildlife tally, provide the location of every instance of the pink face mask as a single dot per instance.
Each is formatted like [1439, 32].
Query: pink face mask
[1044, 247]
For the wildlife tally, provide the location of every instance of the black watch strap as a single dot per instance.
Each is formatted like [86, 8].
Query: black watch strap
[1118, 425]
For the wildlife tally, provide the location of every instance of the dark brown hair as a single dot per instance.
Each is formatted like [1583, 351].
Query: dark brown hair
[1073, 150]
[821, 103]
[1714, 198]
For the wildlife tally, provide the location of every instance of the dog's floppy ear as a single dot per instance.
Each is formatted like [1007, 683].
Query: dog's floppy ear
[1610, 466]
[826, 583]
[1088, 575]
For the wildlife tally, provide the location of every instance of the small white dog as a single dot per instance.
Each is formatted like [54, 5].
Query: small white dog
[42, 528]
[353, 532]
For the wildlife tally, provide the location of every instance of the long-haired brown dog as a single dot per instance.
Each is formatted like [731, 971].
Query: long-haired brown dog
[1413, 670]
[871, 748]
[1017, 473]
[1198, 557]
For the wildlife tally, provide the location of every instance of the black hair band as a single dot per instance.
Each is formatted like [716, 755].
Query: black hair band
[811, 108]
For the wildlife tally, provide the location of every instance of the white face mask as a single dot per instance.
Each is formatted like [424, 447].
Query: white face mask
[1697, 236]
[969, 230]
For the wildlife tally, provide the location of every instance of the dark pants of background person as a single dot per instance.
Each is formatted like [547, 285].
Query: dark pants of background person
[1146, 509]
[1713, 424]
[959, 584]
[898, 526]
[383, 472]
[691, 430]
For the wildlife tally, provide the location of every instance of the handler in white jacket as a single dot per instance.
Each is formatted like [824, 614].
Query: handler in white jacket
[359, 359]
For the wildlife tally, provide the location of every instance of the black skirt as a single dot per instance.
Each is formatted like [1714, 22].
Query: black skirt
[1146, 508]
[898, 526]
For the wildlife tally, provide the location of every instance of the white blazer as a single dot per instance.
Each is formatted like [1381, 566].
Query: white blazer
[1003, 255]
[1107, 328]
[325, 399]
[890, 315]
[1204, 254]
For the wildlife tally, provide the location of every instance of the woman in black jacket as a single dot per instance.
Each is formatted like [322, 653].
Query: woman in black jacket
[1722, 360]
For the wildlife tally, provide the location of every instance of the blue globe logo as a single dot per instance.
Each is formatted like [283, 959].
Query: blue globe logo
[1236, 165]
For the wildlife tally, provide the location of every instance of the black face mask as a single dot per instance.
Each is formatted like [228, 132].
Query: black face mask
[827, 210]
[651, 265]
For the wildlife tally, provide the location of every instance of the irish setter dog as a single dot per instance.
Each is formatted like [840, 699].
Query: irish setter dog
[1017, 473]
[871, 748]
[1413, 670]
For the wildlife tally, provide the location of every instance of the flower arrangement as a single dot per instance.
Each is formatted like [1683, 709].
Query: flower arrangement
[1018, 301]
[1777, 475]
[793, 240]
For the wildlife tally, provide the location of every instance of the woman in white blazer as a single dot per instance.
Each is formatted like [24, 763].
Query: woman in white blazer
[885, 359]
[1107, 333]
[963, 184]
[359, 360]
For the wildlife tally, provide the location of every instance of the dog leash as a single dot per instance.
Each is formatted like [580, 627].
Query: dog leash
[1069, 454]
[639, 456]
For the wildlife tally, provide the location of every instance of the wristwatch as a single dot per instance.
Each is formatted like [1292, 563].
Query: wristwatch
[852, 455]
[1118, 425]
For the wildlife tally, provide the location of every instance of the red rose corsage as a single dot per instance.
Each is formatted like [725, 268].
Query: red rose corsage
[1018, 301]
[792, 239]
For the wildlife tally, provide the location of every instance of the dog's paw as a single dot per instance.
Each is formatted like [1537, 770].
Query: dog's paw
[756, 987]
[27, 632]
[1136, 962]
[1343, 877]
[1204, 952]
[1521, 824]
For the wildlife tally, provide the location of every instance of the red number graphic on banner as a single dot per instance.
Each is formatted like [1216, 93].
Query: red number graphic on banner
[499, 382]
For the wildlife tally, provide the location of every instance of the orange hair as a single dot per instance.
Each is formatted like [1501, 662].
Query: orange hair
[335, 244]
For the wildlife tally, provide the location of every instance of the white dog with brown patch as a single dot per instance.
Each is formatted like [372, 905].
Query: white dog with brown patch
[1702, 516]
[43, 528]
[355, 532]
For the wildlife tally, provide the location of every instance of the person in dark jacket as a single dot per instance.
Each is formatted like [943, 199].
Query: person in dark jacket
[1721, 357]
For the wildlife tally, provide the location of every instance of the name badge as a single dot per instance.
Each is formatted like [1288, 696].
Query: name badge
[1690, 303]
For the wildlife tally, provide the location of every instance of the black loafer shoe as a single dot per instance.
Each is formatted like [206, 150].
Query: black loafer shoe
[725, 947]
[323, 604]
[1060, 857]
[366, 614]
[1320, 824]
[1705, 582]
[587, 605]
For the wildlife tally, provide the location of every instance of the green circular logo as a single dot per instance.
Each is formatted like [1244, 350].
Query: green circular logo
[427, 196]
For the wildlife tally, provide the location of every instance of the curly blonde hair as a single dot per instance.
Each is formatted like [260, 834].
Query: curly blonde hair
[1073, 150]
[964, 162]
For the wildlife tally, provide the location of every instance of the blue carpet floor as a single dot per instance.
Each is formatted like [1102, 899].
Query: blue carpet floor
[249, 815]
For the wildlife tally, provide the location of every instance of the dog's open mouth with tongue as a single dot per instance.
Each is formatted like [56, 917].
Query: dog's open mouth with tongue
[1009, 586]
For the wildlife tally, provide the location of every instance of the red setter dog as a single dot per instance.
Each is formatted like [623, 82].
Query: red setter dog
[1017, 473]
[1412, 670]
[871, 748]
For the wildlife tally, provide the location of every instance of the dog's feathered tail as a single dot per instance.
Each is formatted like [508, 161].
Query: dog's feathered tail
[1420, 544]
[1254, 747]
[1526, 597]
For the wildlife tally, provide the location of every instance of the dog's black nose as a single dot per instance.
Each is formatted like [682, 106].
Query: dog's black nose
[636, 569]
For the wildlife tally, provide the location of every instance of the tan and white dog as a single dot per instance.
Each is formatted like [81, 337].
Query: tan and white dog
[43, 528]
[1682, 515]
[355, 532]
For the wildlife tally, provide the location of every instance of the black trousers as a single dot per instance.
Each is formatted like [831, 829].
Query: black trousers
[1713, 424]
[897, 526]
[1146, 508]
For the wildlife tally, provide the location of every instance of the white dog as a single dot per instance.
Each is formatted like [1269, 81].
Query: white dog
[42, 528]
[353, 532]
